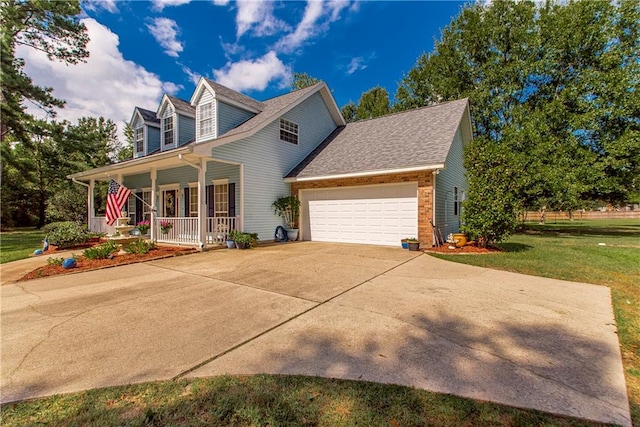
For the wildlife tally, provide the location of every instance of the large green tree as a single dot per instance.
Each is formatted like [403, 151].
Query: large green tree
[556, 87]
[302, 80]
[50, 26]
[373, 103]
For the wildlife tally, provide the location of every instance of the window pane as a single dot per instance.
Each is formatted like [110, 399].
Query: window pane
[139, 140]
[288, 131]
[168, 131]
[221, 199]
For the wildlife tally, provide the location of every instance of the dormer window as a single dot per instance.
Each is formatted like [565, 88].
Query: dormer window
[168, 130]
[288, 131]
[205, 119]
[139, 138]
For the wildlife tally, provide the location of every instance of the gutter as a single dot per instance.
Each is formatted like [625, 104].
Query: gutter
[365, 173]
[79, 182]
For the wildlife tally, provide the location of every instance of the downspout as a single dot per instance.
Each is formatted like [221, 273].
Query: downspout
[433, 209]
[201, 220]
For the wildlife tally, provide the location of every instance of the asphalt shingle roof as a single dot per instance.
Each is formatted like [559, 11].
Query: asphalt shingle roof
[182, 105]
[148, 115]
[420, 137]
[236, 96]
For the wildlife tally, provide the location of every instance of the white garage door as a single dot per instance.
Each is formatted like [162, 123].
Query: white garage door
[376, 215]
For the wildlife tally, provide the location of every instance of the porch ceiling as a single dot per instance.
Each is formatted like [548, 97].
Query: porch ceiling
[166, 160]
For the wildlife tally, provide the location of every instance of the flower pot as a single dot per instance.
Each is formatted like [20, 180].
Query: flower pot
[414, 246]
[231, 244]
[460, 239]
[241, 245]
[404, 244]
[292, 234]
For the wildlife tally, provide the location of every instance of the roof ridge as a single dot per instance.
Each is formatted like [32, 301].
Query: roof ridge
[294, 91]
[424, 107]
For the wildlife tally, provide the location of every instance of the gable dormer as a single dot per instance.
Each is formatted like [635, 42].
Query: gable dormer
[146, 132]
[219, 109]
[177, 122]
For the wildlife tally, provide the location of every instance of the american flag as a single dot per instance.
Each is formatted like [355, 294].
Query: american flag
[116, 197]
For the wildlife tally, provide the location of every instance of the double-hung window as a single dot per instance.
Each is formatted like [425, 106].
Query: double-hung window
[139, 136]
[168, 130]
[146, 206]
[193, 201]
[288, 131]
[221, 198]
[206, 119]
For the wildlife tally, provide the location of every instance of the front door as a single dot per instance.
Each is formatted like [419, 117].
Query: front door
[170, 203]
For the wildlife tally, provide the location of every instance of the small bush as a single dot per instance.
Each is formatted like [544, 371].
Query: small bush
[65, 234]
[140, 246]
[101, 251]
[55, 261]
[48, 228]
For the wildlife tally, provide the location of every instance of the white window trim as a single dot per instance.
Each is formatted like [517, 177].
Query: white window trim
[174, 117]
[212, 117]
[297, 133]
[135, 137]
[193, 186]
[220, 182]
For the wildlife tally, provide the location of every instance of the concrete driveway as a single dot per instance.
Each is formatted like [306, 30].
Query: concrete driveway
[344, 311]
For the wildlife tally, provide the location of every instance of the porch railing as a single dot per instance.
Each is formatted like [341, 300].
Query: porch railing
[183, 230]
[98, 224]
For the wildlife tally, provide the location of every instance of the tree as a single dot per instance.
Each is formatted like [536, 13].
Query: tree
[49, 26]
[373, 103]
[349, 112]
[126, 151]
[302, 80]
[554, 86]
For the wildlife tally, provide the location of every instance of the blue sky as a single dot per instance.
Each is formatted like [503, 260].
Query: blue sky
[141, 49]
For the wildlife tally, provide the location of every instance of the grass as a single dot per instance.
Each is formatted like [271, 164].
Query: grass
[19, 244]
[573, 251]
[562, 250]
[269, 400]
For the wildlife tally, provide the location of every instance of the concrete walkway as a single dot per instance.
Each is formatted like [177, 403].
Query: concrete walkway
[12, 271]
[342, 311]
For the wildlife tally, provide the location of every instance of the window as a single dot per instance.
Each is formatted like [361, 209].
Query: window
[193, 201]
[221, 198]
[139, 139]
[455, 201]
[206, 119]
[168, 131]
[131, 209]
[146, 206]
[288, 131]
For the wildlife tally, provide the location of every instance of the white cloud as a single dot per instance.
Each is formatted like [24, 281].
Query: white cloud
[254, 75]
[221, 2]
[359, 63]
[108, 5]
[194, 77]
[165, 31]
[158, 5]
[171, 88]
[106, 85]
[317, 17]
[258, 17]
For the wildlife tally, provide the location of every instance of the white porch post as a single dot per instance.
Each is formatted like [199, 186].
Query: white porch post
[90, 207]
[154, 177]
[202, 208]
[241, 219]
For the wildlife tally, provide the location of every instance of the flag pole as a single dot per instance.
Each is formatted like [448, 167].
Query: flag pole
[137, 197]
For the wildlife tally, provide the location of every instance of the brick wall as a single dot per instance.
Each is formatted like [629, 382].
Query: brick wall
[425, 194]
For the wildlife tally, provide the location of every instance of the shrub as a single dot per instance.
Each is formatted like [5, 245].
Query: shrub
[102, 251]
[55, 261]
[67, 234]
[139, 246]
[245, 238]
[233, 235]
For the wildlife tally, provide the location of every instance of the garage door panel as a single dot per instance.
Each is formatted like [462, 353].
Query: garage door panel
[370, 215]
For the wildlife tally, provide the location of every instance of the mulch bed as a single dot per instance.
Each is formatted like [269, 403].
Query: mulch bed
[85, 264]
[468, 249]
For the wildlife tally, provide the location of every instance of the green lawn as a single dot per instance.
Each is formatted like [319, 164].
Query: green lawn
[568, 251]
[268, 400]
[573, 251]
[19, 244]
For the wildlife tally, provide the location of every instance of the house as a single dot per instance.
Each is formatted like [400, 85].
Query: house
[216, 163]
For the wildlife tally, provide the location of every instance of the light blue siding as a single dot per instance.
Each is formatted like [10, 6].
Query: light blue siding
[453, 175]
[136, 183]
[230, 117]
[267, 160]
[153, 139]
[186, 129]
[217, 170]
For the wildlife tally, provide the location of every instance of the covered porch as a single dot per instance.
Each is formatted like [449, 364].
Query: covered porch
[186, 199]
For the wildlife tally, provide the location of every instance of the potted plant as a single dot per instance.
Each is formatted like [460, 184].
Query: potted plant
[231, 239]
[243, 241]
[143, 226]
[165, 226]
[288, 207]
[404, 243]
[414, 244]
